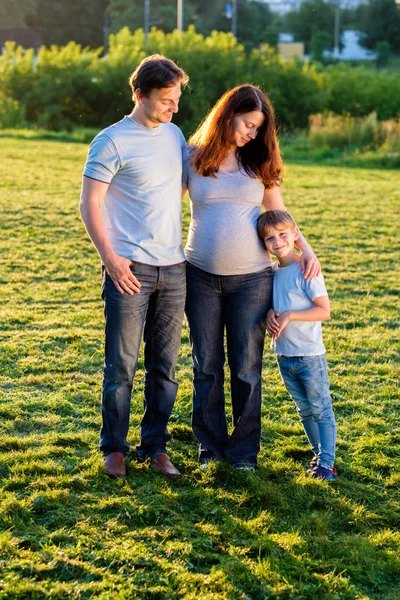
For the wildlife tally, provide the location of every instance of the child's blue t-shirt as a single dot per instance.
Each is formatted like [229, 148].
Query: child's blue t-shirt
[293, 292]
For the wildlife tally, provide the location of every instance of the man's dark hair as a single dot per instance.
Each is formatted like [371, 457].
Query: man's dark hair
[156, 72]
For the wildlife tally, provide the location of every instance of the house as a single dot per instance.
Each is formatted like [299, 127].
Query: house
[351, 48]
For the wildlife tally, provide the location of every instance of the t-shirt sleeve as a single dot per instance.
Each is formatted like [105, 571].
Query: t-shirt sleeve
[186, 166]
[182, 140]
[315, 287]
[103, 160]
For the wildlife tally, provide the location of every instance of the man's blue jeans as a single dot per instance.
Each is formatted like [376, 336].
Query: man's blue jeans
[238, 303]
[306, 380]
[158, 312]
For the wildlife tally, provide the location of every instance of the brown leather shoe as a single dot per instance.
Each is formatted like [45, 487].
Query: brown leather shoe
[162, 464]
[114, 465]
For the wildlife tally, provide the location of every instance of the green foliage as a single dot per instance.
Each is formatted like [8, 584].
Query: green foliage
[380, 20]
[62, 21]
[295, 88]
[71, 85]
[360, 91]
[14, 14]
[320, 41]
[11, 115]
[163, 14]
[255, 22]
[313, 16]
[346, 132]
[67, 531]
[68, 86]
[383, 51]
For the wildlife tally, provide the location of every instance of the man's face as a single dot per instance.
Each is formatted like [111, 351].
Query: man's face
[160, 105]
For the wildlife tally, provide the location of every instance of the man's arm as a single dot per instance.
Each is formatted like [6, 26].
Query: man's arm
[309, 263]
[118, 267]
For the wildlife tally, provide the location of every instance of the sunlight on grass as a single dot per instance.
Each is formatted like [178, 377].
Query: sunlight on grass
[66, 530]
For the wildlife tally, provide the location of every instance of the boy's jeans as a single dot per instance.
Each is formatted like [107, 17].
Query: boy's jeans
[238, 303]
[158, 309]
[306, 380]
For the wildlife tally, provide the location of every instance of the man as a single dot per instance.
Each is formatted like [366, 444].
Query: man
[131, 208]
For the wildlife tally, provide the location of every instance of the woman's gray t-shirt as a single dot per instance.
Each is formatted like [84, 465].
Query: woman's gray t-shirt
[222, 235]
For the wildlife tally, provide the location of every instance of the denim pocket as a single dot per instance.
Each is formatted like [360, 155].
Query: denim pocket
[309, 360]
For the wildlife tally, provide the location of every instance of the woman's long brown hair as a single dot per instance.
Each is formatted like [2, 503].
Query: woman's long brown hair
[260, 158]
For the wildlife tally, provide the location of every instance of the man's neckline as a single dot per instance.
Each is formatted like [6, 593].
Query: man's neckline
[152, 130]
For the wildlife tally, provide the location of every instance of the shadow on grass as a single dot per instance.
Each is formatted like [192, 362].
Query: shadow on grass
[201, 525]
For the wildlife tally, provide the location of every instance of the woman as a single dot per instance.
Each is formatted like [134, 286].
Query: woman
[232, 167]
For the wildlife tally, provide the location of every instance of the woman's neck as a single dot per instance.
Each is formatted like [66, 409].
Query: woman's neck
[230, 162]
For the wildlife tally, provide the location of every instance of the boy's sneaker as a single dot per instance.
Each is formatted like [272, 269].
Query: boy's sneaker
[206, 462]
[313, 464]
[324, 473]
[244, 466]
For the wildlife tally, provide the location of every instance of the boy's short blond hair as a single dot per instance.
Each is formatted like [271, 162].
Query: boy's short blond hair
[273, 218]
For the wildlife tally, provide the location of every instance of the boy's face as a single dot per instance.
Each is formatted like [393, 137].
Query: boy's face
[280, 240]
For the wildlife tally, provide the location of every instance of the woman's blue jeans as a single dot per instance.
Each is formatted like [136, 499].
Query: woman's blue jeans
[237, 303]
[157, 313]
[306, 380]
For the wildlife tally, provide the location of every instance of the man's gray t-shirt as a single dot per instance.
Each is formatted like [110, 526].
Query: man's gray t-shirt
[291, 291]
[223, 236]
[142, 207]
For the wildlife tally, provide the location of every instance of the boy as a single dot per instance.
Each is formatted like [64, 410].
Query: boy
[294, 324]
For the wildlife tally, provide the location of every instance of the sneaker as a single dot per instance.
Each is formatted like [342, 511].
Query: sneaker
[245, 467]
[324, 473]
[205, 462]
[313, 464]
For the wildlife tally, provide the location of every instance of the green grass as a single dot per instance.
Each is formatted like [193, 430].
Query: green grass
[66, 530]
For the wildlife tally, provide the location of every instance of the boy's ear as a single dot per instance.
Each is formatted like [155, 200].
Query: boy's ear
[296, 233]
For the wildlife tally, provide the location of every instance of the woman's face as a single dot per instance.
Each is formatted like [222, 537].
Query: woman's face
[246, 127]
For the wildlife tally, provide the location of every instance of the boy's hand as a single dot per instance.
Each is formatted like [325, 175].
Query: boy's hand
[282, 321]
[272, 323]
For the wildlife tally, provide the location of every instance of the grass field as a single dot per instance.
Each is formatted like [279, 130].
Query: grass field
[66, 530]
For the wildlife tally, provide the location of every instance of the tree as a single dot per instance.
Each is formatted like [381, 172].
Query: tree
[255, 20]
[13, 14]
[319, 42]
[383, 51]
[256, 24]
[163, 14]
[380, 20]
[63, 21]
[312, 17]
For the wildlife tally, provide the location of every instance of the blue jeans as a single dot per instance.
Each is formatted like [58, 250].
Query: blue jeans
[238, 303]
[306, 380]
[157, 312]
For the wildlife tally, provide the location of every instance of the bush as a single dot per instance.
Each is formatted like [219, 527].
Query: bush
[359, 92]
[12, 116]
[347, 132]
[70, 86]
[66, 87]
